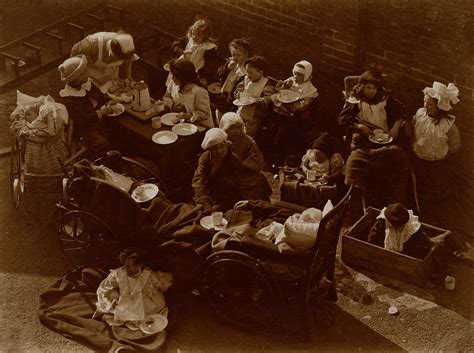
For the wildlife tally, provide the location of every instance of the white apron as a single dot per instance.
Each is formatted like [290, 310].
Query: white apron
[247, 112]
[101, 72]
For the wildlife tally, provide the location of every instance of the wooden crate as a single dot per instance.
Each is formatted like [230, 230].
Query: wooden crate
[357, 252]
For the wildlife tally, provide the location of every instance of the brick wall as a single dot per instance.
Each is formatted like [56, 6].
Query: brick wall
[421, 41]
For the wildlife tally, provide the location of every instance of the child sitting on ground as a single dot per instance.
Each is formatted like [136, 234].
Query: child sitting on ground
[398, 229]
[131, 294]
[320, 163]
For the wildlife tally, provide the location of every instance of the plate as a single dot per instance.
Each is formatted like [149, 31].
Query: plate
[245, 101]
[215, 87]
[288, 96]
[151, 190]
[164, 137]
[207, 223]
[184, 129]
[120, 110]
[154, 324]
[170, 119]
[372, 139]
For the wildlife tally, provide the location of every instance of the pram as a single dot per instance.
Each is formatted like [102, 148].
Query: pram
[99, 216]
[42, 136]
[250, 288]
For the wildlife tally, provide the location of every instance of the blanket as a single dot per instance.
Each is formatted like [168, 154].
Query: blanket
[67, 307]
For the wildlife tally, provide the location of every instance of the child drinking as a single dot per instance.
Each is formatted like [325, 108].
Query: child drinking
[320, 163]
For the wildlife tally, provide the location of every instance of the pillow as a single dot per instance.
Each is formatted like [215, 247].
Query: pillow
[22, 100]
[299, 236]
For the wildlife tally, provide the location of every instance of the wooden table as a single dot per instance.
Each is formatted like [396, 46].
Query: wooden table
[177, 161]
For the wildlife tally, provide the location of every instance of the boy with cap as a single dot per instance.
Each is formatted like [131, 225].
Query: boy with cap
[109, 54]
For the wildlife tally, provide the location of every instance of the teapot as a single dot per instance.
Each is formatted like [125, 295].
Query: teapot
[141, 97]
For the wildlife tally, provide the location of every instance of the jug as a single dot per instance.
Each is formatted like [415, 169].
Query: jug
[141, 97]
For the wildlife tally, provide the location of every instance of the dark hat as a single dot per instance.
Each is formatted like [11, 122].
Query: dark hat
[397, 214]
[323, 143]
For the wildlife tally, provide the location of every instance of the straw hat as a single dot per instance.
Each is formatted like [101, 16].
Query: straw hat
[72, 68]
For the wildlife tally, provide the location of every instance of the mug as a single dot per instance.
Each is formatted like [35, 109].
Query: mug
[449, 282]
[217, 218]
[159, 106]
[311, 175]
[156, 122]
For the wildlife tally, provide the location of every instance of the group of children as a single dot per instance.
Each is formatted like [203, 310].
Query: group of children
[230, 169]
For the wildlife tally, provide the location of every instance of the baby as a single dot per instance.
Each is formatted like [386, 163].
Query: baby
[132, 293]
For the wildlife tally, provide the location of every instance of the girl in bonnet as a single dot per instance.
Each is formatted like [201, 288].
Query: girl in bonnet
[435, 137]
[76, 97]
[216, 180]
[292, 119]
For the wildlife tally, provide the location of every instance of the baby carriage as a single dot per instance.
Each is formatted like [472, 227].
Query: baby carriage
[41, 135]
[250, 288]
[99, 213]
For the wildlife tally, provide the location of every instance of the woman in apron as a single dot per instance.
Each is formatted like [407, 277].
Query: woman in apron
[110, 56]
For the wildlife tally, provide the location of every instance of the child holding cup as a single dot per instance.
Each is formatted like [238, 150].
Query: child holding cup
[320, 163]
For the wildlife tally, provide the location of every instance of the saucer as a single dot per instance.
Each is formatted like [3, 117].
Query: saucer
[158, 323]
[151, 190]
[184, 129]
[170, 119]
[380, 141]
[288, 96]
[247, 101]
[164, 137]
[207, 223]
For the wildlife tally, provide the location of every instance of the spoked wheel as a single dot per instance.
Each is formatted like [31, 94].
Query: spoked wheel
[86, 240]
[239, 290]
[17, 177]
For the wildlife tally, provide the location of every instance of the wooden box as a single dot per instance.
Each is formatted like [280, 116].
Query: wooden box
[357, 252]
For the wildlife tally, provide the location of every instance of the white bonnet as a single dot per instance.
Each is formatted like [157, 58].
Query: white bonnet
[303, 67]
[213, 137]
[126, 43]
[444, 95]
[229, 119]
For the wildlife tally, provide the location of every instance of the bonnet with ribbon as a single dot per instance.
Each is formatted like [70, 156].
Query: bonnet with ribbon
[303, 67]
[445, 95]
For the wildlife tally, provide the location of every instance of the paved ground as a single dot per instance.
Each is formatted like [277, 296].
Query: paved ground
[430, 320]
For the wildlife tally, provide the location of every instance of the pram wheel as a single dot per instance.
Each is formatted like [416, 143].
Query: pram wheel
[239, 290]
[17, 183]
[86, 240]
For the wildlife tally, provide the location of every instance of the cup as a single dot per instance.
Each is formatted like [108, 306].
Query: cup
[449, 282]
[311, 175]
[156, 122]
[217, 218]
[159, 106]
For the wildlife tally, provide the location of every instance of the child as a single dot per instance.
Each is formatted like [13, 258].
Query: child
[292, 119]
[370, 107]
[199, 48]
[325, 165]
[133, 292]
[398, 229]
[435, 138]
[232, 71]
[257, 88]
